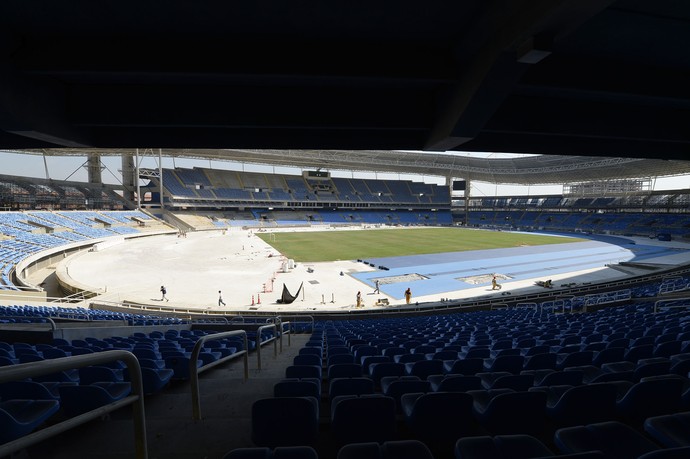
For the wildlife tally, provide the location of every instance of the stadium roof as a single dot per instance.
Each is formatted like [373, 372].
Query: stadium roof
[524, 170]
[572, 77]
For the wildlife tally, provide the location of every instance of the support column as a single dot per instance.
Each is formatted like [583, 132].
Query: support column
[160, 175]
[468, 185]
[94, 168]
[128, 178]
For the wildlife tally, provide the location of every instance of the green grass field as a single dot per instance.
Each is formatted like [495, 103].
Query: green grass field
[352, 245]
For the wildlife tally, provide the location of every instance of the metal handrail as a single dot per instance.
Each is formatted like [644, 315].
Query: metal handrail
[210, 320]
[194, 370]
[284, 332]
[258, 342]
[294, 317]
[34, 319]
[663, 303]
[27, 370]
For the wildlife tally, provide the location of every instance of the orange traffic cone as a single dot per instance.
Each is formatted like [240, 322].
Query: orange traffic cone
[258, 299]
[252, 300]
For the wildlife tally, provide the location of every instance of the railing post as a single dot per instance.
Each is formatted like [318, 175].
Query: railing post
[258, 342]
[194, 370]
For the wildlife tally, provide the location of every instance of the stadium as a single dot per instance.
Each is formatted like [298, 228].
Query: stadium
[342, 285]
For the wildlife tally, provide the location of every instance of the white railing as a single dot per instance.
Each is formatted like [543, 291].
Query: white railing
[22, 371]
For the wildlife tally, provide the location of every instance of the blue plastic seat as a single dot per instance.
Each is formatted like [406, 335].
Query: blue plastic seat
[440, 418]
[369, 360]
[364, 351]
[443, 355]
[338, 350]
[608, 355]
[146, 353]
[613, 377]
[633, 354]
[668, 453]
[365, 418]
[498, 418]
[339, 358]
[454, 383]
[410, 344]
[380, 370]
[654, 368]
[538, 349]
[25, 390]
[314, 350]
[393, 351]
[423, 349]
[282, 452]
[595, 346]
[92, 374]
[575, 359]
[569, 349]
[153, 379]
[525, 343]
[207, 356]
[481, 352]
[221, 347]
[517, 446]
[667, 348]
[584, 404]
[344, 370]
[21, 417]
[643, 340]
[569, 377]
[467, 367]
[424, 368]
[408, 358]
[489, 377]
[180, 366]
[54, 353]
[285, 421]
[75, 399]
[542, 361]
[350, 386]
[404, 385]
[150, 363]
[650, 398]
[303, 371]
[395, 449]
[671, 430]
[680, 367]
[294, 387]
[618, 342]
[510, 363]
[307, 359]
[614, 439]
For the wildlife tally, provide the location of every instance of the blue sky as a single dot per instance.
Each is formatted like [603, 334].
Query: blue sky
[63, 168]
